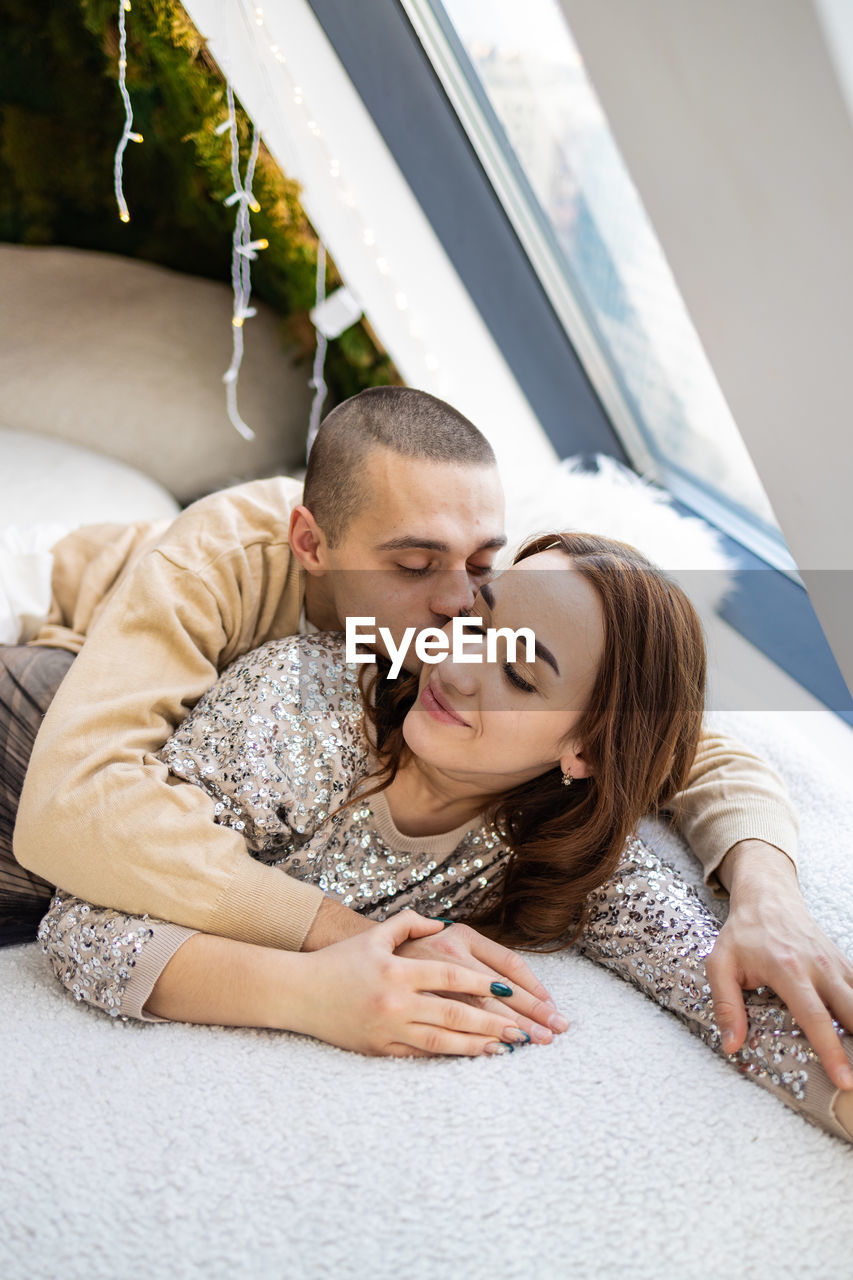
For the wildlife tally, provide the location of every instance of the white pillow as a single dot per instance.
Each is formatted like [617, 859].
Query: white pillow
[48, 487]
[45, 480]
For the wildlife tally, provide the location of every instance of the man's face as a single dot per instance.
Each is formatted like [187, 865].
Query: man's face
[421, 545]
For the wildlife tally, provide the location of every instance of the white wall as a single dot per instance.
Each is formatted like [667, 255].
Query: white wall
[733, 125]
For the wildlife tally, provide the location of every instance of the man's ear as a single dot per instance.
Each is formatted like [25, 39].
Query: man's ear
[307, 541]
[571, 761]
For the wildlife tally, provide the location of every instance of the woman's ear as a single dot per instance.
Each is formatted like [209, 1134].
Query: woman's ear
[572, 762]
[307, 541]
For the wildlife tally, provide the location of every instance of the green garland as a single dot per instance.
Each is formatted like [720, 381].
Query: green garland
[61, 117]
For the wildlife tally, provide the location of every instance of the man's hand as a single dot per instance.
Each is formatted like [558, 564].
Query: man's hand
[458, 944]
[770, 939]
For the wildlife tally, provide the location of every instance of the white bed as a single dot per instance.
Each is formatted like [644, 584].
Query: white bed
[625, 1148]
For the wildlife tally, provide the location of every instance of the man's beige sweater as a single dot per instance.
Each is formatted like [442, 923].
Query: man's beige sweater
[162, 610]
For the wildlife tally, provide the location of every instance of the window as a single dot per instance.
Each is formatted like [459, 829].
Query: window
[518, 84]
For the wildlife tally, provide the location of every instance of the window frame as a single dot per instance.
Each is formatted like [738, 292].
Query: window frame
[382, 53]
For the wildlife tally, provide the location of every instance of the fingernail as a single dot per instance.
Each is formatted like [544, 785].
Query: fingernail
[728, 1041]
[845, 1075]
[558, 1023]
[517, 1035]
[500, 989]
[497, 1047]
[541, 1036]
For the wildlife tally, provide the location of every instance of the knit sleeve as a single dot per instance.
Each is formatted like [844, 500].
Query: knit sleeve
[732, 795]
[99, 813]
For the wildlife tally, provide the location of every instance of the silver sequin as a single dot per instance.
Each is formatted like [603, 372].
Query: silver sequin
[284, 730]
[93, 951]
[650, 927]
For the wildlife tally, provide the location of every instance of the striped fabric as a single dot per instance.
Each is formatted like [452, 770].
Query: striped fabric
[29, 677]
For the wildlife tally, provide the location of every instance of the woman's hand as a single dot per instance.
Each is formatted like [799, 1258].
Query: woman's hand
[358, 994]
[362, 993]
[459, 944]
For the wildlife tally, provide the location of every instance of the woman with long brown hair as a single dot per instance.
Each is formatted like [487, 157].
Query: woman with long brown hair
[504, 793]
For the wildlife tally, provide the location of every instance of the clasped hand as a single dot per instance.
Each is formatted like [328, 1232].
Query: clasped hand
[411, 988]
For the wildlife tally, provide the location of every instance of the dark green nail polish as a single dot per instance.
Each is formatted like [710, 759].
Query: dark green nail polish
[445, 920]
[500, 989]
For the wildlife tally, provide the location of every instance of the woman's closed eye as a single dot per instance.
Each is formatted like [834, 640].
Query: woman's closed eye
[516, 680]
[473, 570]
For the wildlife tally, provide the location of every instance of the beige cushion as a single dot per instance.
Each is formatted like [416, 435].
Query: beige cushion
[127, 358]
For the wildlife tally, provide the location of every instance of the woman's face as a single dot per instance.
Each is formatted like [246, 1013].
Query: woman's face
[503, 722]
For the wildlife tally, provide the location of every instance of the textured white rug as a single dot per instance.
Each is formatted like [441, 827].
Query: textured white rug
[625, 1148]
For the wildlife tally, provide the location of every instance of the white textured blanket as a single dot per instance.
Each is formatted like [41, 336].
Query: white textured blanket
[625, 1148]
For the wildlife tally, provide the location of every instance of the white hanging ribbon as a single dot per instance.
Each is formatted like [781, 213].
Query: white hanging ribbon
[242, 254]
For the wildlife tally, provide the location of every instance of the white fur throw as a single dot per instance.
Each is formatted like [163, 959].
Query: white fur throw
[625, 1148]
[614, 501]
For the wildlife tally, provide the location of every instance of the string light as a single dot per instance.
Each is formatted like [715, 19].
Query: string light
[248, 250]
[244, 251]
[344, 194]
[317, 381]
[127, 133]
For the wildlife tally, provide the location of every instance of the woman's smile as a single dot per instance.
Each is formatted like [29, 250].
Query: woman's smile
[435, 701]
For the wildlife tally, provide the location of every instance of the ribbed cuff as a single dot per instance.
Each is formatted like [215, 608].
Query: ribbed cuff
[819, 1104]
[266, 906]
[758, 823]
[845, 1131]
[150, 963]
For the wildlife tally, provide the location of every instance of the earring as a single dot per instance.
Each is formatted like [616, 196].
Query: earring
[567, 779]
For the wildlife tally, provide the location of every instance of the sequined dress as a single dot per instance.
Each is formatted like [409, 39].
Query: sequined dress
[279, 743]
